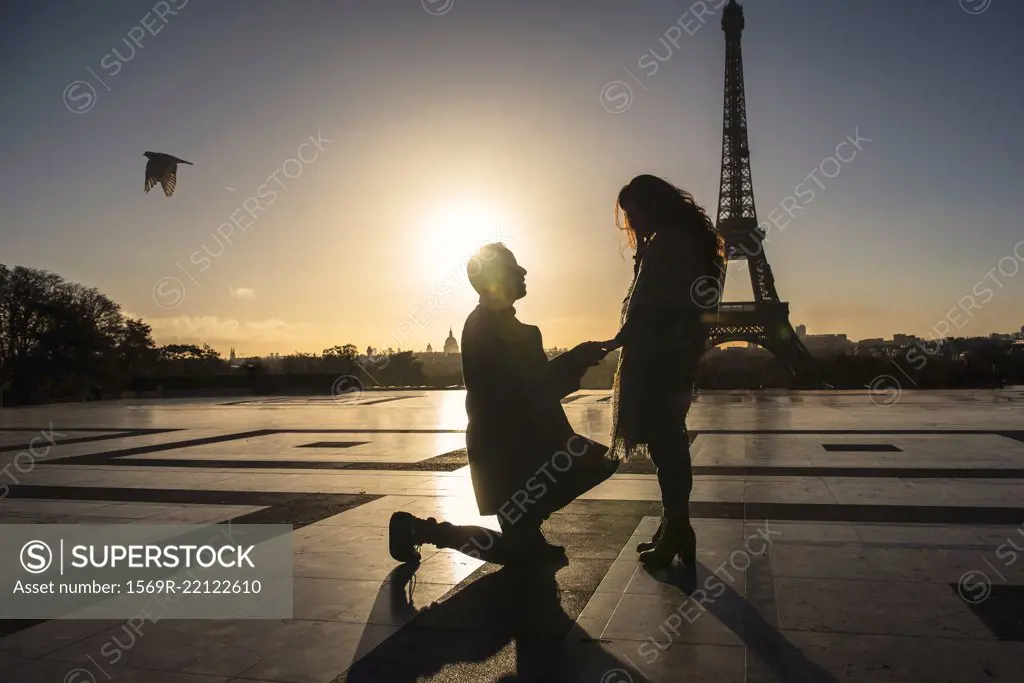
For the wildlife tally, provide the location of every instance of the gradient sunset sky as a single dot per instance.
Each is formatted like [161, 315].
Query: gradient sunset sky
[445, 124]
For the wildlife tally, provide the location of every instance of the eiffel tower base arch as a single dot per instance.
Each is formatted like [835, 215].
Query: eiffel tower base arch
[768, 326]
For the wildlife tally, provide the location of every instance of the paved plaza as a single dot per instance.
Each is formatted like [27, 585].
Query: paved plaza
[842, 536]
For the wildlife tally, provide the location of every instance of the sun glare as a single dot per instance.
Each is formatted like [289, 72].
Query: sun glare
[456, 231]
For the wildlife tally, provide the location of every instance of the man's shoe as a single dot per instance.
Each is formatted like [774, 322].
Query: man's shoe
[403, 541]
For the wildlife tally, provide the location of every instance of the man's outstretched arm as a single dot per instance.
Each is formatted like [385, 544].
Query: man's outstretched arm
[567, 370]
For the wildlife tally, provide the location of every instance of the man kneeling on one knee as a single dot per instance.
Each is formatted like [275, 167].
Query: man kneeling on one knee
[525, 460]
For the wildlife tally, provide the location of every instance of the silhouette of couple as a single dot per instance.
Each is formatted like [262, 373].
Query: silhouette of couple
[525, 460]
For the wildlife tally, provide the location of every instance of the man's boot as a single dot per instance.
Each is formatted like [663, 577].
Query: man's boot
[406, 534]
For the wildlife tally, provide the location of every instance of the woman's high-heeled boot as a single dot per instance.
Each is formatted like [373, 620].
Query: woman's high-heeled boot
[678, 538]
[649, 545]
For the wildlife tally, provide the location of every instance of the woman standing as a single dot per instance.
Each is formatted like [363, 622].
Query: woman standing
[677, 280]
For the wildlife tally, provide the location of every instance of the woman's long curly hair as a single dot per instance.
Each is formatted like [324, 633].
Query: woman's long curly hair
[649, 204]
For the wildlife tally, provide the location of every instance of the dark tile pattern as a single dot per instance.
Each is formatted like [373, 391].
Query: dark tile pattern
[642, 466]
[118, 433]
[297, 509]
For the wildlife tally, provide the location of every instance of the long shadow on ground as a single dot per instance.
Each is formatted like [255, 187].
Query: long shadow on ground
[510, 624]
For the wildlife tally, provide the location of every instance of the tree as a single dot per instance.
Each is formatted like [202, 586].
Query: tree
[190, 359]
[340, 358]
[399, 369]
[136, 352]
[60, 338]
[348, 352]
[299, 362]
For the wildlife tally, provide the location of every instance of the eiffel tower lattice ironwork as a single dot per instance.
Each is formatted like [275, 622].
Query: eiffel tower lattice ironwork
[764, 321]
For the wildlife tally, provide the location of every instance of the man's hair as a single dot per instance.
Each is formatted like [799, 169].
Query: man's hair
[485, 269]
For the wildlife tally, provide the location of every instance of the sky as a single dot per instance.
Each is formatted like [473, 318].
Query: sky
[352, 156]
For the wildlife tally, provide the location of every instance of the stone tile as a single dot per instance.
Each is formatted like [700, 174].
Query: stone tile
[783, 532]
[212, 648]
[446, 567]
[42, 671]
[874, 607]
[322, 653]
[918, 565]
[658, 662]
[625, 489]
[828, 562]
[50, 636]
[919, 534]
[598, 612]
[850, 491]
[1001, 535]
[788, 490]
[892, 659]
[957, 492]
[323, 599]
[717, 490]
[394, 605]
[619, 575]
[339, 565]
[719, 531]
[376, 513]
[11, 664]
[677, 618]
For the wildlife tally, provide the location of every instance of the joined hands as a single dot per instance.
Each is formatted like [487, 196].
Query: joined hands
[593, 352]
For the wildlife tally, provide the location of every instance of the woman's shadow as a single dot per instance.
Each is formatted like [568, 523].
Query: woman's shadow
[509, 625]
[776, 657]
[515, 624]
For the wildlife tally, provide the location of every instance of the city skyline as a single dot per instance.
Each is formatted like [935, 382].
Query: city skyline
[881, 167]
[893, 338]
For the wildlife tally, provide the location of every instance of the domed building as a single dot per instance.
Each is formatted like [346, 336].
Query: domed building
[451, 347]
[443, 368]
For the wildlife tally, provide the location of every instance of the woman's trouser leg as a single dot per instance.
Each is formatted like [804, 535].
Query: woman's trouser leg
[670, 451]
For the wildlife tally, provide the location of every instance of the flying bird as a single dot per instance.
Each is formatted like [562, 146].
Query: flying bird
[163, 169]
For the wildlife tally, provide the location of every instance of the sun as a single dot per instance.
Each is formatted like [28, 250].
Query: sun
[455, 231]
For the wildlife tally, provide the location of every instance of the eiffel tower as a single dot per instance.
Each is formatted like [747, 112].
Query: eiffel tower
[764, 321]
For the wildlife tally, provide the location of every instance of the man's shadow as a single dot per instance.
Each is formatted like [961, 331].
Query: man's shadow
[515, 620]
[508, 625]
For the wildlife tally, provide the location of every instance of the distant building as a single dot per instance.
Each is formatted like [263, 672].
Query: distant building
[801, 331]
[445, 367]
[904, 339]
[822, 344]
[233, 360]
[451, 347]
